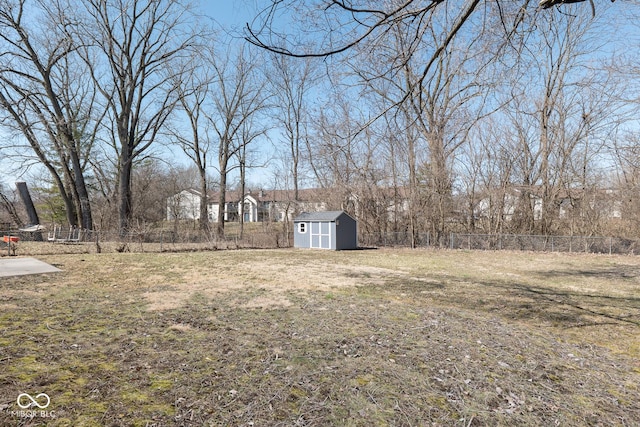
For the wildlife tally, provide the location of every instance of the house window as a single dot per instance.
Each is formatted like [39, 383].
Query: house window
[302, 227]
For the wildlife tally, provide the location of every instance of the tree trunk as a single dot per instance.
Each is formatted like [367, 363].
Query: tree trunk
[242, 190]
[440, 187]
[204, 205]
[84, 206]
[124, 192]
[222, 199]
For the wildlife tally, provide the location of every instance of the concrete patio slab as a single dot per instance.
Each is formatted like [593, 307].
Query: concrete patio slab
[22, 266]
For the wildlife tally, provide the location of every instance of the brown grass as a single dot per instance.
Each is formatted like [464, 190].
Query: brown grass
[294, 337]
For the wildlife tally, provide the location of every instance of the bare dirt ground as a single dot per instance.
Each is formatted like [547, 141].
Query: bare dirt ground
[307, 338]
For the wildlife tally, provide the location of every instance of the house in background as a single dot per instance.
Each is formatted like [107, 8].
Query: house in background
[184, 205]
[258, 206]
[507, 202]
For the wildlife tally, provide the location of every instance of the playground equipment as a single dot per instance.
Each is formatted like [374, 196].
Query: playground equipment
[11, 242]
[58, 235]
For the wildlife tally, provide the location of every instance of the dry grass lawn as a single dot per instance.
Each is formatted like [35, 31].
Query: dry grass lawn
[312, 338]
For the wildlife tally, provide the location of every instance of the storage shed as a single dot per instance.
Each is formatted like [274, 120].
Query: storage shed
[334, 230]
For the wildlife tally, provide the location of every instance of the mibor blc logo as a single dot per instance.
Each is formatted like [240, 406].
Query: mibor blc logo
[33, 406]
[25, 401]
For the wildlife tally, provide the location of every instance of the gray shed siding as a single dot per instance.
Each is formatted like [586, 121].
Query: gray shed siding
[301, 239]
[333, 230]
[347, 236]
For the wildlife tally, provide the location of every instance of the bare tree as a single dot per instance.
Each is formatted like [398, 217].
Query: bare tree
[132, 49]
[345, 159]
[239, 96]
[420, 58]
[9, 206]
[251, 130]
[436, 110]
[152, 183]
[292, 81]
[325, 28]
[626, 182]
[195, 93]
[46, 98]
[561, 111]
[345, 25]
[333, 146]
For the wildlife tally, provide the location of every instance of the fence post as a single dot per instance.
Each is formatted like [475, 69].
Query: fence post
[451, 240]
[610, 244]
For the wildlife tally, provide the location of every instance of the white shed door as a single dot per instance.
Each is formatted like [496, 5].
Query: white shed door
[320, 235]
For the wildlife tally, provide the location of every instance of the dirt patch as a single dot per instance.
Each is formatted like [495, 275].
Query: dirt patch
[181, 327]
[272, 301]
[275, 279]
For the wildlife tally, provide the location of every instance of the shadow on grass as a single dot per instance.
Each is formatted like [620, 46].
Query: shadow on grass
[618, 272]
[569, 308]
[615, 308]
[518, 300]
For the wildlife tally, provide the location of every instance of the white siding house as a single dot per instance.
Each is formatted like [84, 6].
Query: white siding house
[274, 205]
[184, 205]
[506, 202]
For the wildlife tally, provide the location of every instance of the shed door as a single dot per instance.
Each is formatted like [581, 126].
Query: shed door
[321, 235]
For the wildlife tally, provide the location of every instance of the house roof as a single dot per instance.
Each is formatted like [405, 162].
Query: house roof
[188, 191]
[319, 216]
[304, 195]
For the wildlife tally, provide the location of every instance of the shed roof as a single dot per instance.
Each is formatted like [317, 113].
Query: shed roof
[319, 216]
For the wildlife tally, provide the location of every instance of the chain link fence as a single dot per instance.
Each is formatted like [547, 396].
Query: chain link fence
[514, 242]
[402, 238]
[519, 242]
[69, 241]
[16, 242]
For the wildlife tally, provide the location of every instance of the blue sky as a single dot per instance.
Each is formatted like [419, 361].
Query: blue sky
[230, 14]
